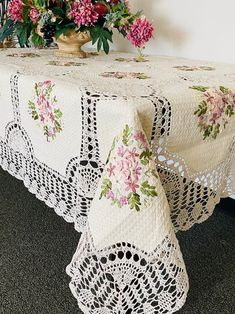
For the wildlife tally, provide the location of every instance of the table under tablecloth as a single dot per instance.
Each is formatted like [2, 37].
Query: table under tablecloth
[114, 146]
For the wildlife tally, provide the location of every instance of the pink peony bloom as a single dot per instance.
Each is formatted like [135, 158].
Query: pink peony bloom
[15, 10]
[140, 32]
[34, 15]
[83, 13]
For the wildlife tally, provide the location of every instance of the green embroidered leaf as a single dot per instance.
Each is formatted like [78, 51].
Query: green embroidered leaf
[58, 113]
[145, 157]
[215, 131]
[105, 188]
[126, 135]
[143, 77]
[148, 189]
[112, 148]
[200, 88]
[58, 126]
[202, 109]
[229, 111]
[154, 173]
[224, 90]
[134, 201]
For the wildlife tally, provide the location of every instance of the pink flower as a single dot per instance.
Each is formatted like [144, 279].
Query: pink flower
[132, 154]
[123, 200]
[111, 169]
[124, 168]
[83, 13]
[121, 151]
[139, 136]
[15, 10]
[34, 15]
[45, 84]
[214, 97]
[110, 195]
[140, 32]
[132, 185]
[136, 170]
[216, 103]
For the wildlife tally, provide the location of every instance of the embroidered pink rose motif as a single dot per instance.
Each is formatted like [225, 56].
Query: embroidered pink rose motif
[44, 109]
[130, 176]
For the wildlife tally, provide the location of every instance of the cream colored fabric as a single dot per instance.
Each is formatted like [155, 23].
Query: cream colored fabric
[58, 121]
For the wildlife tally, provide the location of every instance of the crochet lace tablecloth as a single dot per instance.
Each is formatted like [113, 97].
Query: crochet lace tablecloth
[115, 147]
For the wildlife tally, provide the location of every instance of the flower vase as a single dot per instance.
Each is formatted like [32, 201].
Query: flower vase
[70, 45]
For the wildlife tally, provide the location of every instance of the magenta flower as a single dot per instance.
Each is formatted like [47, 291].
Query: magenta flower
[15, 10]
[83, 13]
[140, 32]
[34, 15]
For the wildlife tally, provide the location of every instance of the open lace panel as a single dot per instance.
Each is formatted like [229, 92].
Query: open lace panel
[124, 279]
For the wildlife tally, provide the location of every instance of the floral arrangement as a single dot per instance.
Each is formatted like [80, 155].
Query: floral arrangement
[215, 109]
[56, 17]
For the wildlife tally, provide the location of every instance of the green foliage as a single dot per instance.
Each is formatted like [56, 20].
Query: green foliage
[126, 135]
[23, 31]
[148, 189]
[63, 28]
[101, 36]
[202, 109]
[33, 110]
[145, 157]
[200, 88]
[58, 113]
[105, 188]
[7, 30]
[224, 90]
[134, 201]
[229, 111]
[37, 40]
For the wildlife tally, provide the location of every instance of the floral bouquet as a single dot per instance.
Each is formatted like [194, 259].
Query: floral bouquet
[37, 22]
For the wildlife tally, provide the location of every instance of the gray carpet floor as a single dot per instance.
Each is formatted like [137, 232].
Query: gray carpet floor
[36, 245]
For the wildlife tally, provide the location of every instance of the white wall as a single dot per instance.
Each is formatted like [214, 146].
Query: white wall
[197, 29]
